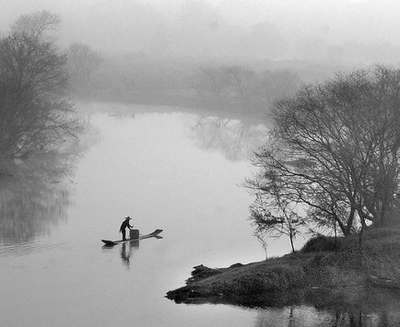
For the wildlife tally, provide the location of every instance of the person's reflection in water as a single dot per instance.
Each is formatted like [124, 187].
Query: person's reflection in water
[127, 249]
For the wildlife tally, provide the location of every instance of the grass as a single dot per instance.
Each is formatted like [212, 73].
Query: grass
[381, 252]
[338, 268]
[6, 167]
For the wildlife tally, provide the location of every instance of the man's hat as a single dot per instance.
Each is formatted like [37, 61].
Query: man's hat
[127, 217]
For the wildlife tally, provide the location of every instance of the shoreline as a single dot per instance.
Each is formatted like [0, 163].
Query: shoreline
[190, 103]
[319, 274]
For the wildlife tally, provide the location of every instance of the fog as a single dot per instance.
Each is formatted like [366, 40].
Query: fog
[355, 31]
[176, 96]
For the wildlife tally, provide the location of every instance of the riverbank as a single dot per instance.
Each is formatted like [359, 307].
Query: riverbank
[324, 272]
[187, 102]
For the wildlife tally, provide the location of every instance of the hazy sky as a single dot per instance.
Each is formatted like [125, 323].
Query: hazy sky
[141, 24]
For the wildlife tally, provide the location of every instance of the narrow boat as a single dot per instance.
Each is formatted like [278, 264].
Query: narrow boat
[384, 282]
[138, 238]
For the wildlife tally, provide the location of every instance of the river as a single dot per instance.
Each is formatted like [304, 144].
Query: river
[167, 169]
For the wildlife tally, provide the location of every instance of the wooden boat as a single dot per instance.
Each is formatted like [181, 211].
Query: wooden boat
[393, 284]
[141, 237]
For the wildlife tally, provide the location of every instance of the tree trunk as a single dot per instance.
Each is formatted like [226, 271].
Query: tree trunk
[291, 239]
[350, 221]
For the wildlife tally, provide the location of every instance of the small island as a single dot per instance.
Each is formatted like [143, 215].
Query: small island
[326, 272]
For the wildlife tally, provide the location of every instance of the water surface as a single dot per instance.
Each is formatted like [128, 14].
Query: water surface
[176, 171]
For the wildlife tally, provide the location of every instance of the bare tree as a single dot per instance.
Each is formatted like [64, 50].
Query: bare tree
[335, 150]
[36, 24]
[83, 61]
[275, 216]
[243, 84]
[210, 84]
[33, 80]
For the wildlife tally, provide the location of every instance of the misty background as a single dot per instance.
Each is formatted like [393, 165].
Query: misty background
[174, 96]
[334, 31]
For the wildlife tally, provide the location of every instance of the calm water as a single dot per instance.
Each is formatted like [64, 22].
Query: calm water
[179, 172]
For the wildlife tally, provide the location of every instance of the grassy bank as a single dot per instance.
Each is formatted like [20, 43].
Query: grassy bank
[326, 270]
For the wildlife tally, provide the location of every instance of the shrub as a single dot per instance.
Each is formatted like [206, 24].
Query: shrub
[321, 244]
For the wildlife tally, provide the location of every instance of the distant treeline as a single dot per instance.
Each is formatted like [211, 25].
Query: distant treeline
[218, 85]
[243, 88]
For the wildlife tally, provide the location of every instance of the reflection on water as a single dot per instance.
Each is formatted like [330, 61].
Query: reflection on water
[34, 199]
[127, 250]
[234, 138]
[119, 115]
[30, 207]
[143, 166]
[306, 316]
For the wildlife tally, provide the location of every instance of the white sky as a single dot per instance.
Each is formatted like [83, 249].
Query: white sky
[334, 21]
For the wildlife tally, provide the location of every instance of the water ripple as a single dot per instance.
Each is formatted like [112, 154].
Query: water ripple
[15, 249]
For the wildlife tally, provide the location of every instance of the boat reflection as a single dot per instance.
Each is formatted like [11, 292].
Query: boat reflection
[235, 138]
[128, 248]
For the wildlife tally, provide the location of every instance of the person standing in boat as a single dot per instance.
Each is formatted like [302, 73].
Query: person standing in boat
[125, 224]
